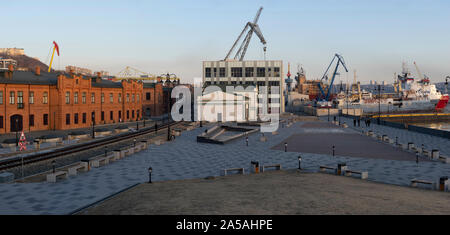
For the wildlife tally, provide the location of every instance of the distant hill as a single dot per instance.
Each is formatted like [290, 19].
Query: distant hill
[26, 62]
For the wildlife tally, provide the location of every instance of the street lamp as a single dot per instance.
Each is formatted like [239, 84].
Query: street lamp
[54, 166]
[168, 110]
[17, 133]
[379, 103]
[299, 162]
[285, 147]
[93, 130]
[150, 175]
[446, 84]
[134, 142]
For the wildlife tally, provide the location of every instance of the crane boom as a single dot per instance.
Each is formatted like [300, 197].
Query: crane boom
[253, 28]
[418, 71]
[340, 60]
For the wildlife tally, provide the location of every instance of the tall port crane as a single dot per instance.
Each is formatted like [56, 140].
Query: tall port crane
[423, 77]
[340, 61]
[253, 28]
[55, 48]
[132, 73]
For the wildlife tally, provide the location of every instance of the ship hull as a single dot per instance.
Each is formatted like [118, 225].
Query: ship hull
[408, 106]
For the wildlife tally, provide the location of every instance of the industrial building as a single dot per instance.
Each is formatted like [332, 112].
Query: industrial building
[266, 73]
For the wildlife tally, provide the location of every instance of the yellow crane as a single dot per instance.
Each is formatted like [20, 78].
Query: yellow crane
[55, 48]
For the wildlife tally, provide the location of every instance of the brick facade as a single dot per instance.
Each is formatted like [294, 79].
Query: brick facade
[65, 101]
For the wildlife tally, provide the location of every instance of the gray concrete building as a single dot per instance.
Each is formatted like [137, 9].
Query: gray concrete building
[267, 73]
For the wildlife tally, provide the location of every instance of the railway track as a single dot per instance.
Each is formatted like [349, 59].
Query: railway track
[76, 148]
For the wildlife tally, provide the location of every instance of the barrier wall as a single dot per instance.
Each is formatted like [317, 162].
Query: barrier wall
[424, 130]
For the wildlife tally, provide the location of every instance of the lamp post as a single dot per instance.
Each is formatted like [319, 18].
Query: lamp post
[134, 142]
[17, 134]
[417, 158]
[285, 147]
[446, 84]
[137, 123]
[334, 150]
[379, 103]
[299, 162]
[168, 110]
[54, 166]
[246, 140]
[93, 130]
[150, 175]
[328, 113]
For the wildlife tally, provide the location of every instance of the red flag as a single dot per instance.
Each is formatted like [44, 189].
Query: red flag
[57, 47]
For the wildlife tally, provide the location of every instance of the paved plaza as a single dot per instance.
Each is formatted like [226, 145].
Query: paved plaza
[187, 159]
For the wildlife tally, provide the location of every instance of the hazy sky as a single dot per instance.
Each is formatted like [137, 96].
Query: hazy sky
[373, 36]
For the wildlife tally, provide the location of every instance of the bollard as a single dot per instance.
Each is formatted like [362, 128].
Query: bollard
[255, 167]
[443, 181]
[435, 154]
[54, 166]
[341, 167]
[150, 175]
[285, 147]
[299, 162]
[88, 165]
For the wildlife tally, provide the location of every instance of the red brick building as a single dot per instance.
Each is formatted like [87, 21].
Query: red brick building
[32, 101]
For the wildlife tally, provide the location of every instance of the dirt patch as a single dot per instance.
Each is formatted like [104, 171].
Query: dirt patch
[282, 192]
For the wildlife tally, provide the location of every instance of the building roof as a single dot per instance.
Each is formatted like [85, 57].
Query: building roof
[106, 84]
[27, 77]
[149, 85]
[30, 78]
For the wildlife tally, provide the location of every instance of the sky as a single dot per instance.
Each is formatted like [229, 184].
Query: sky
[374, 37]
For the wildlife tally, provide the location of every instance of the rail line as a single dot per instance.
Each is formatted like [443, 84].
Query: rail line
[33, 158]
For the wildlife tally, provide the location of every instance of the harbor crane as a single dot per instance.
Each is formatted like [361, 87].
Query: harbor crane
[340, 61]
[253, 28]
[422, 76]
[132, 73]
[55, 48]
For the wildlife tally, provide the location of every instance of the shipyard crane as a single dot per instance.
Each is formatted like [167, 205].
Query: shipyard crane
[55, 48]
[253, 28]
[421, 75]
[340, 61]
[133, 73]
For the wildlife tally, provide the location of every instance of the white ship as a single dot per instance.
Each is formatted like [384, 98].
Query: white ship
[411, 96]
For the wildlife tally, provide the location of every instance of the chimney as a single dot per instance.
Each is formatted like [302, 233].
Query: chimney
[38, 70]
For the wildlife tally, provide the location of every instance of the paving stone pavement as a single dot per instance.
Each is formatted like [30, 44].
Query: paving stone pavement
[186, 159]
[404, 136]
